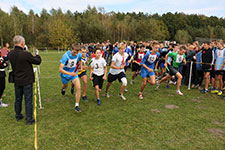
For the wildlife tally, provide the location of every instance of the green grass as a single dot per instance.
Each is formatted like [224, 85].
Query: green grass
[116, 124]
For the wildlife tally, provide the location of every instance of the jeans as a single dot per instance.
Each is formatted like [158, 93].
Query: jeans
[27, 91]
[109, 56]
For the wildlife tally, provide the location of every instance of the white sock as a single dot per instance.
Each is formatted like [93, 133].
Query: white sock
[77, 104]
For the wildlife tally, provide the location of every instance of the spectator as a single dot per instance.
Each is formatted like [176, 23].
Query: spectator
[5, 50]
[21, 62]
[3, 65]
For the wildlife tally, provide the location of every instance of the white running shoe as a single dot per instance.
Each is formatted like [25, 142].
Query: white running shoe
[140, 96]
[157, 85]
[107, 95]
[179, 93]
[122, 97]
[132, 82]
[3, 105]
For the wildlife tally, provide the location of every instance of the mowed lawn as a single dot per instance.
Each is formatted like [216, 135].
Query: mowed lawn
[195, 120]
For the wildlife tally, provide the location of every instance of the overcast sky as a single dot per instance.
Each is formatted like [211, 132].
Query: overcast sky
[206, 7]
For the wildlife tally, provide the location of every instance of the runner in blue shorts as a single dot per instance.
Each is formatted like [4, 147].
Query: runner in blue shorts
[68, 71]
[148, 64]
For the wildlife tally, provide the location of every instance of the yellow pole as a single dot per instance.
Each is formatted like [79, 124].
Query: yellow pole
[35, 111]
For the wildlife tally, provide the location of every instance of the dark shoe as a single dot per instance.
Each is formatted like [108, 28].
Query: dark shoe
[98, 102]
[30, 122]
[84, 98]
[204, 91]
[63, 91]
[77, 109]
[19, 118]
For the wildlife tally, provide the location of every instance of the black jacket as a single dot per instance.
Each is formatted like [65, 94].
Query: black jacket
[21, 62]
[207, 58]
[2, 70]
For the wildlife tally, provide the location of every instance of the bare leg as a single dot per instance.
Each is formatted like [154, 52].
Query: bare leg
[179, 76]
[107, 86]
[76, 82]
[85, 84]
[152, 80]
[122, 89]
[144, 82]
[97, 92]
[64, 86]
[206, 75]
[133, 75]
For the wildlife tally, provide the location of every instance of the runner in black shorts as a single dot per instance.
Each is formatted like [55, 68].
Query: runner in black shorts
[98, 73]
[136, 67]
[117, 70]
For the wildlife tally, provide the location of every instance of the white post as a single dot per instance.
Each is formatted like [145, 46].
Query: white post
[39, 70]
[38, 86]
[189, 84]
[39, 92]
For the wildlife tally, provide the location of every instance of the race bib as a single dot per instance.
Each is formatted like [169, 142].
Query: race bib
[179, 58]
[220, 53]
[72, 63]
[151, 58]
[97, 66]
[140, 56]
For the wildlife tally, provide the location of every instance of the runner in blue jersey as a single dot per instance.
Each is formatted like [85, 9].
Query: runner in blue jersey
[148, 64]
[219, 69]
[68, 71]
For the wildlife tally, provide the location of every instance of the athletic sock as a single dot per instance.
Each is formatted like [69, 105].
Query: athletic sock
[77, 104]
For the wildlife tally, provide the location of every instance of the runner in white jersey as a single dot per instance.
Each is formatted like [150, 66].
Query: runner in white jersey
[68, 68]
[117, 70]
[98, 73]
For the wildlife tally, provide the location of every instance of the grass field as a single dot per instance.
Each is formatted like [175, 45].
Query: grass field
[196, 122]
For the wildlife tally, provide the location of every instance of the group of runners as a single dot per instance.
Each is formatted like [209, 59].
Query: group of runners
[155, 62]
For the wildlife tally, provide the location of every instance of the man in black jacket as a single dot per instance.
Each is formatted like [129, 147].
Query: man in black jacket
[207, 62]
[21, 62]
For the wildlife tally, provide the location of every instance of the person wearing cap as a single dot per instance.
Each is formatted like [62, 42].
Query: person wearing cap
[68, 69]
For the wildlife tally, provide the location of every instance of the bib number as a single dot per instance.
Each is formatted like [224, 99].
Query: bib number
[179, 58]
[151, 58]
[72, 63]
[140, 56]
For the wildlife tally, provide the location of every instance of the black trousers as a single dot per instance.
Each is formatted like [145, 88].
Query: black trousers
[2, 85]
[199, 76]
[27, 92]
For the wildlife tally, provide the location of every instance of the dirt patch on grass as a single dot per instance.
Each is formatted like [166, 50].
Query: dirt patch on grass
[171, 106]
[196, 100]
[201, 107]
[155, 110]
[170, 95]
[48, 100]
[219, 123]
[217, 132]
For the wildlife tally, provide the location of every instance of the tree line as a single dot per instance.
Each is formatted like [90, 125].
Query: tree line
[58, 29]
